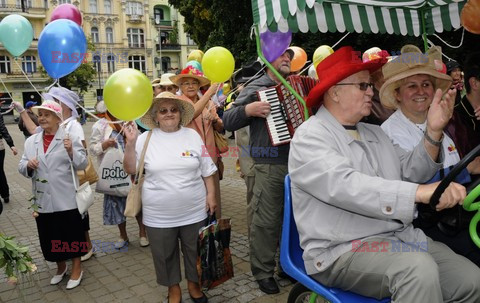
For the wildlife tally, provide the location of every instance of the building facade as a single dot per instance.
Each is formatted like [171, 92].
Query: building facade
[147, 36]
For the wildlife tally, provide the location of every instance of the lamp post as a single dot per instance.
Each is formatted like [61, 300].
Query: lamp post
[160, 49]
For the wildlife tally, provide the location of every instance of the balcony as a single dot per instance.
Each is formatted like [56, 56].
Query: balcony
[35, 12]
[168, 47]
[163, 23]
[135, 18]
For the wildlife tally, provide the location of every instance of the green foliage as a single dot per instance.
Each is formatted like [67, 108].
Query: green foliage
[173, 36]
[15, 259]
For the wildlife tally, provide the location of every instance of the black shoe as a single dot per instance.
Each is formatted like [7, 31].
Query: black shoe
[6, 200]
[268, 286]
[283, 275]
[202, 299]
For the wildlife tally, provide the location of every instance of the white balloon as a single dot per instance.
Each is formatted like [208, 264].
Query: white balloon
[312, 73]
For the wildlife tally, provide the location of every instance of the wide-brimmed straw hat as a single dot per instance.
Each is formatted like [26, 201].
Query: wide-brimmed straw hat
[186, 109]
[412, 62]
[49, 105]
[156, 82]
[339, 65]
[165, 79]
[190, 72]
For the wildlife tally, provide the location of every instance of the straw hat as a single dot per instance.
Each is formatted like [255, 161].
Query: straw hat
[156, 82]
[190, 72]
[50, 106]
[186, 109]
[412, 62]
[165, 79]
[341, 64]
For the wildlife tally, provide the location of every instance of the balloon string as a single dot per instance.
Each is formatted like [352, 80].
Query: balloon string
[121, 130]
[11, 97]
[248, 81]
[51, 85]
[306, 68]
[19, 67]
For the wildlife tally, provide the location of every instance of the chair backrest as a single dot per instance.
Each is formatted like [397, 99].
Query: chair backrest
[293, 264]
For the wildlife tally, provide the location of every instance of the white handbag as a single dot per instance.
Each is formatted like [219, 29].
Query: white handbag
[84, 194]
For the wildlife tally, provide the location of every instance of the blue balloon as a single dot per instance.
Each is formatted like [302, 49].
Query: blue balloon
[195, 64]
[62, 47]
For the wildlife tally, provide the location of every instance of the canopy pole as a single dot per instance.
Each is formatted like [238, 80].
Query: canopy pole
[277, 74]
[424, 31]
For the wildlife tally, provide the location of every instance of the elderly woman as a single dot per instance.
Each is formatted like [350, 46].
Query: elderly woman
[105, 135]
[177, 192]
[205, 119]
[410, 88]
[48, 159]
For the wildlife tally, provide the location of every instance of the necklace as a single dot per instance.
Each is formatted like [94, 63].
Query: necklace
[47, 139]
[463, 105]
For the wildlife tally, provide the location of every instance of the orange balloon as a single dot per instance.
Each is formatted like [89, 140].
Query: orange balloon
[299, 58]
[470, 16]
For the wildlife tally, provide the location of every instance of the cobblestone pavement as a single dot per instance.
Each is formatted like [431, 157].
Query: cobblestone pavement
[121, 276]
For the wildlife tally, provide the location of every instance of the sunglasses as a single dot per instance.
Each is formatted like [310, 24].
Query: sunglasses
[362, 85]
[186, 84]
[164, 111]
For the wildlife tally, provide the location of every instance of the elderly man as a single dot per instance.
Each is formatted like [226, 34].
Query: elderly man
[270, 169]
[354, 195]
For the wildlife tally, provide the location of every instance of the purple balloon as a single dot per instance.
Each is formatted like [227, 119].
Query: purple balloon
[274, 44]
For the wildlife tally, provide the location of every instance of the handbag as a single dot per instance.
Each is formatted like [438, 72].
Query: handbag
[220, 142]
[134, 199]
[113, 180]
[214, 261]
[88, 174]
[83, 194]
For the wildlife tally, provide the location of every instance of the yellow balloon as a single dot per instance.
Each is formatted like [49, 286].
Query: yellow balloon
[226, 89]
[128, 94]
[195, 55]
[218, 64]
[321, 53]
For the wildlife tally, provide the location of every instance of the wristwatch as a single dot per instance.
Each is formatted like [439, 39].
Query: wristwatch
[431, 141]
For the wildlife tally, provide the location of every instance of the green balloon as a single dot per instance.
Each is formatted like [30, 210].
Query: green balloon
[16, 34]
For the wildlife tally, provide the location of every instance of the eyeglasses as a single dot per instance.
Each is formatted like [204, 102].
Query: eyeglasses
[168, 88]
[164, 111]
[362, 85]
[190, 83]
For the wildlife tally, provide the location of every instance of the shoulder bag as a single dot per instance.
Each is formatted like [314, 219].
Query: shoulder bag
[134, 198]
[84, 194]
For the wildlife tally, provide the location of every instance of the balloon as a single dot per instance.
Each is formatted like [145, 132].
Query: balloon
[470, 16]
[67, 11]
[321, 53]
[16, 34]
[195, 64]
[218, 64]
[299, 58]
[195, 55]
[226, 89]
[312, 73]
[62, 47]
[274, 44]
[128, 94]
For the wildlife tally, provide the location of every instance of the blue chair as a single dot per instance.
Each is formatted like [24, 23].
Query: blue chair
[292, 263]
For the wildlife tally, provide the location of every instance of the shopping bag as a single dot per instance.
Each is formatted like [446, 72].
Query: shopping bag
[113, 180]
[214, 261]
[88, 174]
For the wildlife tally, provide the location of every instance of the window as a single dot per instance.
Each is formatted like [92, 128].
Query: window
[95, 37]
[111, 63]
[158, 14]
[107, 6]
[29, 64]
[134, 8]
[5, 65]
[97, 63]
[64, 1]
[109, 33]
[27, 3]
[135, 37]
[166, 64]
[93, 6]
[190, 40]
[3, 3]
[137, 62]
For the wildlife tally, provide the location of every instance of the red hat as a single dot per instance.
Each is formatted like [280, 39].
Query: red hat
[338, 66]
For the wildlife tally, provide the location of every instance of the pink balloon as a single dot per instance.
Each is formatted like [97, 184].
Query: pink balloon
[67, 11]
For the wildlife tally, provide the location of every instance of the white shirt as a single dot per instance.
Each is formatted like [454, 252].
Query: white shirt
[174, 192]
[407, 135]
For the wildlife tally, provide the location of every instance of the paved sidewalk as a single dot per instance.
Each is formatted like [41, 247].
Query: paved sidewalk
[121, 276]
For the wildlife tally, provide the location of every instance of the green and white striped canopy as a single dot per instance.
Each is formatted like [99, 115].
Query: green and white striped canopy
[402, 17]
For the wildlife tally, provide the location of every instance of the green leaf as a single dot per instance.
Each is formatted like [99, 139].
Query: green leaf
[3, 262]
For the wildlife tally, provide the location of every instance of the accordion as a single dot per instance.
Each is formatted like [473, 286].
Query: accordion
[287, 112]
